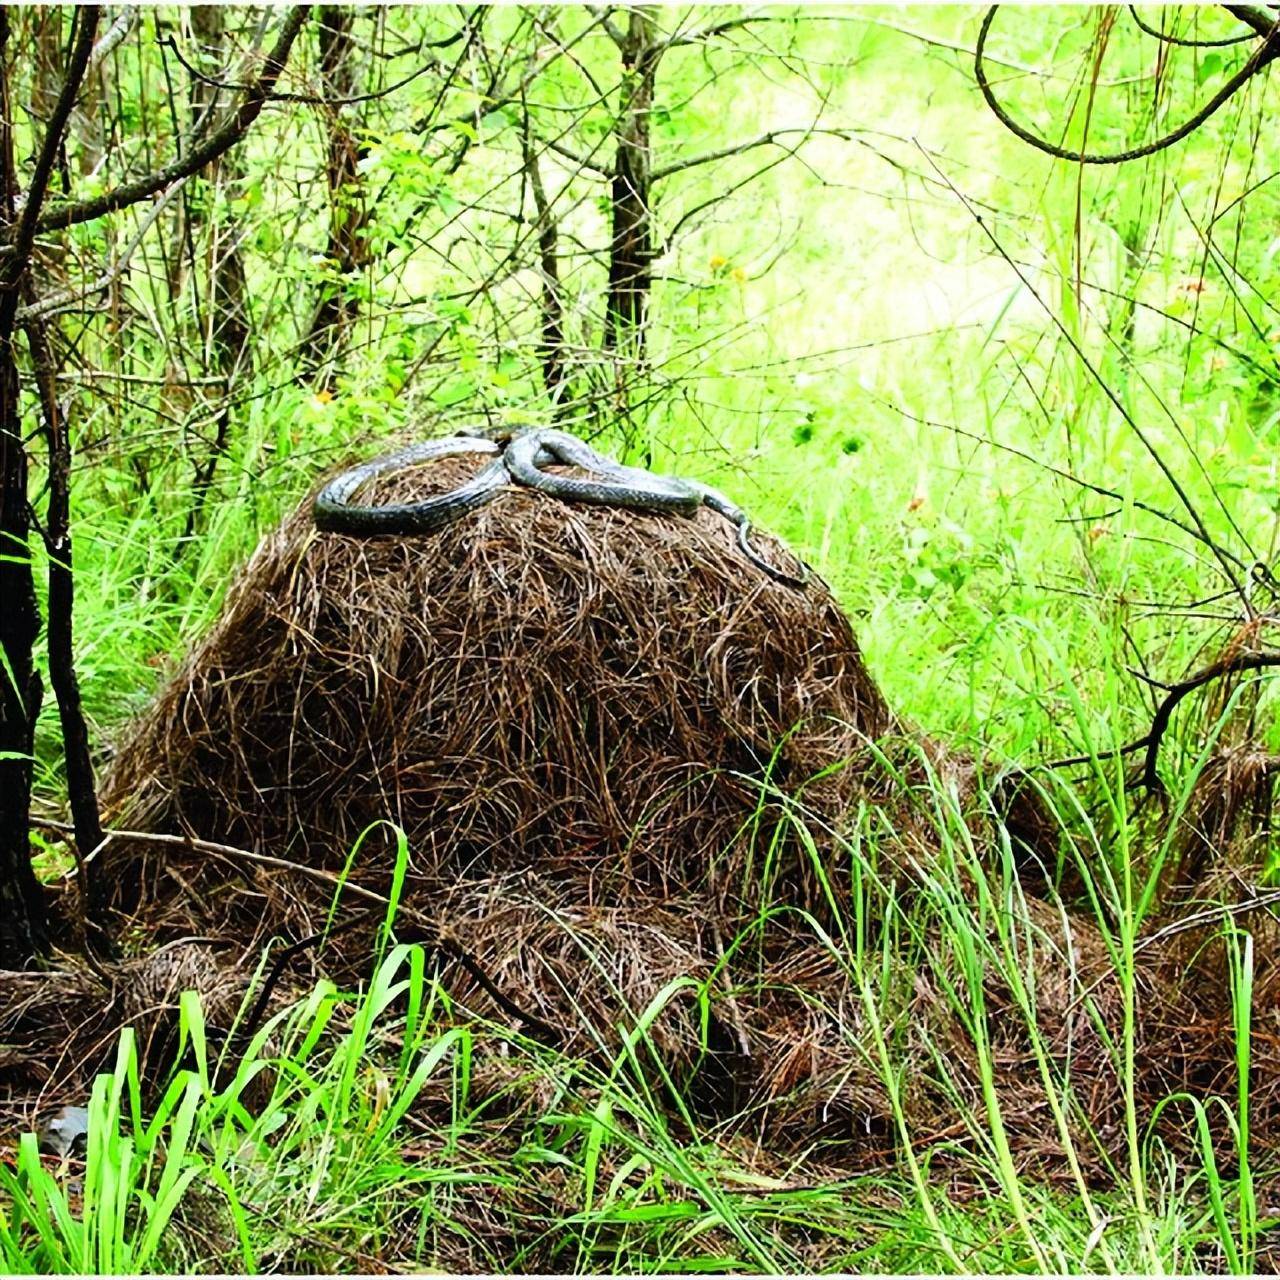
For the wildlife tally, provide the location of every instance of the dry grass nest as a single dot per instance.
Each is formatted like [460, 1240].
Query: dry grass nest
[538, 687]
[621, 757]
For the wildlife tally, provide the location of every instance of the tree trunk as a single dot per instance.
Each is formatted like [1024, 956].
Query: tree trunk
[551, 351]
[47, 56]
[631, 247]
[23, 920]
[338, 306]
[229, 328]
[227, 331]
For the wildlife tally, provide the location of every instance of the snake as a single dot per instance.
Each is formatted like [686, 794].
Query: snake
[520, 456]
[334, 512]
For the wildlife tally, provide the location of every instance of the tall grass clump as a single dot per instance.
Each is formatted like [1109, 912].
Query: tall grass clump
[370, 1124]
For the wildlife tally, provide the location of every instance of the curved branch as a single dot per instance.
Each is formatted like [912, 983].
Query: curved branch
[1164, 712]
[1265, 54]
[1183, 42]
[434, 935]
[1149, 743]
[1220, 553]
[67, 213]
[1259, 19]
[309, 99]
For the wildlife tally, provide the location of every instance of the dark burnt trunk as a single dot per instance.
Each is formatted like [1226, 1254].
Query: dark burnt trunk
[23, 920]
[81, 792]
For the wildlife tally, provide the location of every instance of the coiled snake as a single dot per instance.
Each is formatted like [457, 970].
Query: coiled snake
[522, 461]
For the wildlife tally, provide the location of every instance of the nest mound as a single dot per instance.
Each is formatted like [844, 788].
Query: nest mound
[538, 686]
[597, 729]
[624, 761]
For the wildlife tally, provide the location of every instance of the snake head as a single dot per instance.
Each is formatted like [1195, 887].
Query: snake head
[500, 435]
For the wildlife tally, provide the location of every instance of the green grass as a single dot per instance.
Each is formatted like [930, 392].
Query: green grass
[906, 407]
[370, 1124]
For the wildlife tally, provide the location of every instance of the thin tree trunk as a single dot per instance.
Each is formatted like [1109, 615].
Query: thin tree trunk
[81, 792]
[47, 40]
[86, 121]
[338, 307]
[228, 320]
[551, 347]
[47, 58]
[229, 328]
[631, 247]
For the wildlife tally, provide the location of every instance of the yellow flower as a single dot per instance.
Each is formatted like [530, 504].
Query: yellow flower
[324, 396]
[739, 275]
[718, 260]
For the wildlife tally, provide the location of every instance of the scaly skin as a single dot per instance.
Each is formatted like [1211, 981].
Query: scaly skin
[629, 487]
[521, 456]
[334, 512]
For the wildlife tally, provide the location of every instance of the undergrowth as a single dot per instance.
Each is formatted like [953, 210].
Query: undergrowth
[381, 1126]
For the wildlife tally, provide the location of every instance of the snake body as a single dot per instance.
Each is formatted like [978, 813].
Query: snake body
[621, 486]
[334, 512]
[523, 461]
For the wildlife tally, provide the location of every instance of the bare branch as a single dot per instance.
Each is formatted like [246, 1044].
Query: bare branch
[616, 34]
[497, 98]
[702, 34]
[1037, 460]
[1184, 41]
[585, 163]
[70, 298]
[773, 137]
[1262, 56]
[68, 213]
